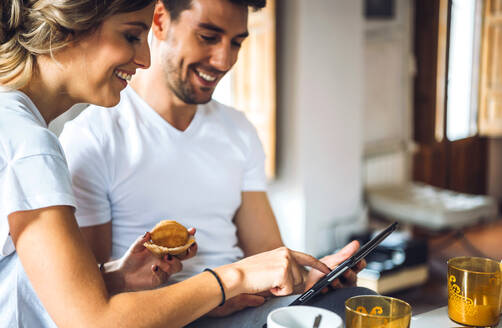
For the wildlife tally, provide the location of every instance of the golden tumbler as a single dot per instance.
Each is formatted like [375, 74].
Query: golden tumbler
[474, 291]
[376, 311]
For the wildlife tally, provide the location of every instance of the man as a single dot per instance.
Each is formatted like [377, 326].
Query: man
[168, 151]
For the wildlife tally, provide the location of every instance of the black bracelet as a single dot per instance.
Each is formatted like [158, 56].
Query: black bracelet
[219, 283]
[102, 267]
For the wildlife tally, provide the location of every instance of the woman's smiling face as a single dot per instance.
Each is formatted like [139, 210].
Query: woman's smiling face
[102, 62]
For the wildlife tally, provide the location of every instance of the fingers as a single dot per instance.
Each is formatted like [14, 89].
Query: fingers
[243, 301]
[189, 253]
[170, 264]
[292, 279]
[164, 268]
[191, 231]
[309, 260]
[297, 278]
[360, 265]
[265, 294]
[349, 278]
[137, 246]
[159, 276]
[349, 249]
[247, 300]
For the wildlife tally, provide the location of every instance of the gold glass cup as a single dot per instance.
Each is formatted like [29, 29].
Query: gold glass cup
[474, 291]
[372, 311]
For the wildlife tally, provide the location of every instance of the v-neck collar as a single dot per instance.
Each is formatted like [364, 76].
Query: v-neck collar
[194, 123]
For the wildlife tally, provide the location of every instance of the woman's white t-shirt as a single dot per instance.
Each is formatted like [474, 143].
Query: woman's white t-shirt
[33, 174]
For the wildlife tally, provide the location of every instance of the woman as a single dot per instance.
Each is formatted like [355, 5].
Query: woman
[54, 54]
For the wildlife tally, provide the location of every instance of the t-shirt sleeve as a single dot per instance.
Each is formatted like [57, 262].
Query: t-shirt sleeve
[89, 174]
[30, 183]
[254, 174]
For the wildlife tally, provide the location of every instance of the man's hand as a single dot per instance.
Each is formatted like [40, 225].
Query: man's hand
[140, 269]
[237, 303]
[349, 278]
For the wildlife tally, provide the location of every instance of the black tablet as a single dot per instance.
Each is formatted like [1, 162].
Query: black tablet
[345, 265]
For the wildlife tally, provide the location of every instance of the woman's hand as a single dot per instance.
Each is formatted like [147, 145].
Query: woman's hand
[279, 271]
[139, 269]
[349, 277]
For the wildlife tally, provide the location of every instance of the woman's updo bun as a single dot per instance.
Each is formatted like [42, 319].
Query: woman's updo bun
[39, 27]
[16, 63]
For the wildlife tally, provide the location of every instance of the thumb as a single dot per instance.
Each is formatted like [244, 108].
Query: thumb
[349, 249]
[251, 300]
[243, 301]
[137, 246]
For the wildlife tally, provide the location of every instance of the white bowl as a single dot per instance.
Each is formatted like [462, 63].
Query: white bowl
[302, 316]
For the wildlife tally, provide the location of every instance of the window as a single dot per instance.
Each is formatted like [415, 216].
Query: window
[463, 63]
[251, 85]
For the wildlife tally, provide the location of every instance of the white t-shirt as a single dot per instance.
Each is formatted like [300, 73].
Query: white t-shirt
[132, 167]
[33, 175]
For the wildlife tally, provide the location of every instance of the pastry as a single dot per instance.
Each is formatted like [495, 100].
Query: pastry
[169, 237]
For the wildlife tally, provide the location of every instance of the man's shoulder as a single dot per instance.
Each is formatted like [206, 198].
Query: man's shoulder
[225, 113]
[93, 120]
[103, 121]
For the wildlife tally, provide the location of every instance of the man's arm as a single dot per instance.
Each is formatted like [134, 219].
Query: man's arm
[99, 240]
[257, 229]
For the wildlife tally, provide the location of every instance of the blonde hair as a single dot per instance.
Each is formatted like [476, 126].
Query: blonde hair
[39, 27]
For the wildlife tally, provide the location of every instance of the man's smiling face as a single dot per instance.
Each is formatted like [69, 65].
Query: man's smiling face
[201, 46]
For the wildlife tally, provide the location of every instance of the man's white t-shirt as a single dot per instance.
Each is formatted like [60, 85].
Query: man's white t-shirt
[33, 175]
[132, 167]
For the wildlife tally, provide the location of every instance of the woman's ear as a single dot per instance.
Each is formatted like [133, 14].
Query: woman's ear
[161, 21]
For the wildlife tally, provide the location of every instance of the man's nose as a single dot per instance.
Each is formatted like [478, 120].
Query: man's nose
[222, 58]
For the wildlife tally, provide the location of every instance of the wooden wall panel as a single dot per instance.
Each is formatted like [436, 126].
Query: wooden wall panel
[425, 48]
[490, 91]
[255, 79]
[459, 165]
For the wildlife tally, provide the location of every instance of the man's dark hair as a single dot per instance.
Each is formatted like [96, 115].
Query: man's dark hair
[175, 7]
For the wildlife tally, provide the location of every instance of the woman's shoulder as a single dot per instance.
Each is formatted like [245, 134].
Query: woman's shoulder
[22, 131]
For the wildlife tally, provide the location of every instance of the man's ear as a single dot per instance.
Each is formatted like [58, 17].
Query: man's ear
[161, 21]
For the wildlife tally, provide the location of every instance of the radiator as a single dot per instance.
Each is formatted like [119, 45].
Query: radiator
[386, 169]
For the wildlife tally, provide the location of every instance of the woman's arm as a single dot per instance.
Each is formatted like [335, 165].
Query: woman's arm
[64, 275]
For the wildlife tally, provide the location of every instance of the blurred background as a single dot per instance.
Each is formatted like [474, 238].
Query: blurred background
[372, 111]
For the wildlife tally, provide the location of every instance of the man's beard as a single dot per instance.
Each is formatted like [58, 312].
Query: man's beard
[183, 89]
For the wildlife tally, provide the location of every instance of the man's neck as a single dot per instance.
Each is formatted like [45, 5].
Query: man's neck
[157, 95]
